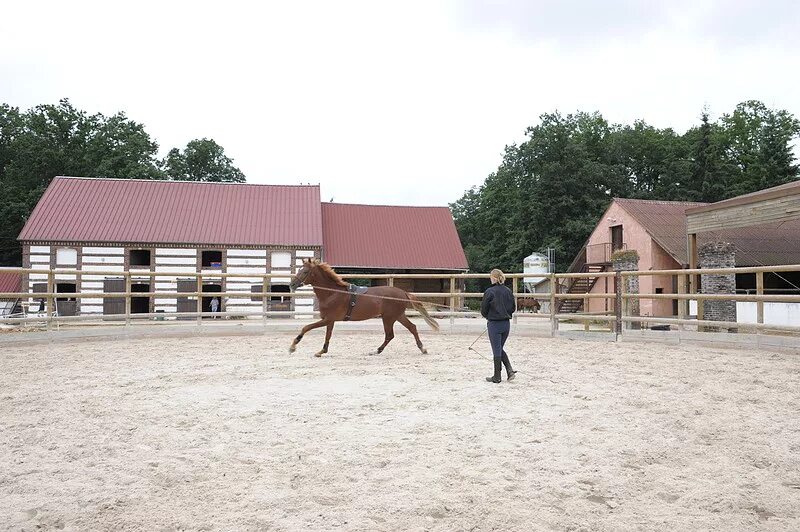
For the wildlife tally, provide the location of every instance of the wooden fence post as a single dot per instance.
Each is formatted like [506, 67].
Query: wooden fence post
[128, 298]
[452, 301]
[618, 302]
[264, 308]
[683, 304]
[586, 323]
[515, 288]
[50, 300]
[760, 292]
[553, 292]
[199, 298]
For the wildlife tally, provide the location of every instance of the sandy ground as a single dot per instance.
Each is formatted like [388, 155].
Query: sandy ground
[234, 434]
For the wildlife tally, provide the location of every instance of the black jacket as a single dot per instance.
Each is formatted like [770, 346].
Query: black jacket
[498, 303]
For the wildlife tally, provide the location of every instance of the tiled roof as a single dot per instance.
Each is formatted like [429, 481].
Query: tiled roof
[10, 282]
[374, 236]
[168, 212]
[767, 245]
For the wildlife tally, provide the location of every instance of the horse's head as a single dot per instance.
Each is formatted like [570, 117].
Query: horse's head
[305, 274]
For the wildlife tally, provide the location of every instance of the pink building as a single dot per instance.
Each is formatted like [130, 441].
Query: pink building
[657, 231]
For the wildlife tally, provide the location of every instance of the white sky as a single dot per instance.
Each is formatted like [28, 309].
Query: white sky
[394, 103]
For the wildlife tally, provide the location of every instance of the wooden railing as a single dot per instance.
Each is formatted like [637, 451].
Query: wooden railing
[612, 321]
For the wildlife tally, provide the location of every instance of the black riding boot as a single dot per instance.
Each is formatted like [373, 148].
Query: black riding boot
[507, 363]
[498, 365]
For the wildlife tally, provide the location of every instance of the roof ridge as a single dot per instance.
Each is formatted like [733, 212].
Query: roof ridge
[387, 206]
[177, 181]
[670, 202]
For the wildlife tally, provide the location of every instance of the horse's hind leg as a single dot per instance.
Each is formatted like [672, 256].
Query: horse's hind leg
[388, 330]
[328, 333]
[408, 324]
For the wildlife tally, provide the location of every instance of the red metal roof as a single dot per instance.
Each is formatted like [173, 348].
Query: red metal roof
[175, 212]
[375, 236]
[760, 245]
[10, 282]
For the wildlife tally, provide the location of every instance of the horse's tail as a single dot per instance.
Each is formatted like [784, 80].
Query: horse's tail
[419, 307]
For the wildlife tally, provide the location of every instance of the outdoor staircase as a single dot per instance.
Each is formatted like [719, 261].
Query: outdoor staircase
[582, 285]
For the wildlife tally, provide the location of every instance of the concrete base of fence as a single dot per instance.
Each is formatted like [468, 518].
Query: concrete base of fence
[461, 326]
[715, 339]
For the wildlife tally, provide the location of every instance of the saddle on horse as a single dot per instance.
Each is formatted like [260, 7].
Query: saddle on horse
[354, 291]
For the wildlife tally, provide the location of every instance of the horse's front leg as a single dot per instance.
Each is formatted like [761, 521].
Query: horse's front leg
[305, 329]
[328, 333]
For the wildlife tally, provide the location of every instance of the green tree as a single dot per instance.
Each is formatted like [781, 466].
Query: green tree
[710, 174]
[50, 140]
[201, 160]
[758, 146]
[550, 190]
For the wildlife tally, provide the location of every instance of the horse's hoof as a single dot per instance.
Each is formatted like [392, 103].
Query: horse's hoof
[424, 351]
[319, 354]
[292, 349]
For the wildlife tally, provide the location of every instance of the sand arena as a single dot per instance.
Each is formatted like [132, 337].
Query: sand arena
[232, 433]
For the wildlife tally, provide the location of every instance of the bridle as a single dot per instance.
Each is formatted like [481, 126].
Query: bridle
[300, 281]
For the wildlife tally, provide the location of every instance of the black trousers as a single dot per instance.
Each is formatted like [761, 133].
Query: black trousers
[498, 334]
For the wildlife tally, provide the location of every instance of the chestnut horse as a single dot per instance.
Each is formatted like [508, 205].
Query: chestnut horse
[529, 303]
[334, 298]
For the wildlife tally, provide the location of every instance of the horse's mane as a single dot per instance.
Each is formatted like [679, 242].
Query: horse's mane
[326, 268]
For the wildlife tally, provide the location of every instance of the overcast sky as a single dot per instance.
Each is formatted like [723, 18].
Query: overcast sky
[393, 103]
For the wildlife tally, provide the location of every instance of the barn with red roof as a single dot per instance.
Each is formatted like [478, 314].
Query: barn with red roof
[392, 239]
[9, 282]
[100, 226]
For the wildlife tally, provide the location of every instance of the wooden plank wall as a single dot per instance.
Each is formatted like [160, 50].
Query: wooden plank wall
[767, 211]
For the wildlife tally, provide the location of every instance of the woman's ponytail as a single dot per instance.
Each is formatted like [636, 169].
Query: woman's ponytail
[497, 276]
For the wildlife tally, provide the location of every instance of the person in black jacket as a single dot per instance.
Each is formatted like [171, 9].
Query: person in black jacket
[497, 307]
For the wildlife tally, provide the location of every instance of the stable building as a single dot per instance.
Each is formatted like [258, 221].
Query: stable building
[115, 225]
[381, 239]
[98, 227]
[657, 231]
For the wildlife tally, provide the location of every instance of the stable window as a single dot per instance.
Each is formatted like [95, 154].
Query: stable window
[66, 306]
[280, 288]
[211, 258]
[140, 304]
[281, 260]
[140, 257]
[66, 288]
[66, 257]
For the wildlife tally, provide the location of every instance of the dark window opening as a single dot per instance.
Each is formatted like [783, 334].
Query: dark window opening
[280, 288]
[784, 283]
[616, 238]
[66, 306]
[280, 303]
[140, 257]
[208, 305]
[140, 305]
[211, 259]
[659, 290]
[66, 288]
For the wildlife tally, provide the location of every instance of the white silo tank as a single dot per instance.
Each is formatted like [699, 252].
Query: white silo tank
[533, 264]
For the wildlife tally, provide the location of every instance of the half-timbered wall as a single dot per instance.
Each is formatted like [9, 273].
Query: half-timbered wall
[87, 259]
